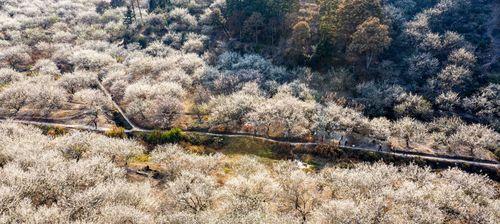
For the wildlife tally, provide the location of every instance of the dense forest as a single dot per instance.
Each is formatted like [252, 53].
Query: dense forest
[416, 76]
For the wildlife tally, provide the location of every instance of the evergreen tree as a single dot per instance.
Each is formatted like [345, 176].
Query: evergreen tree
[299, 50]
[252, 27]
[340, 18]
[101, 7]
[129, 17]
[158, 5]
[241, 13]
[117, 3]
[369, 40]
[128, 21]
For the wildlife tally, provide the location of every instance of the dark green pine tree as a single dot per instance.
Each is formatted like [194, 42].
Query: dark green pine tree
[127, 21]
[158, 5]
[117, 3]
[153, 4]
[129, 17]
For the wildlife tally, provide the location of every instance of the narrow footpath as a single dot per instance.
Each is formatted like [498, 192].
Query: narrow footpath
[492, 165]
[409, 155]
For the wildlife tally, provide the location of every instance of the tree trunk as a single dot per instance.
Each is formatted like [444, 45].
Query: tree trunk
[94, 121]
[304, 218]
[140, 11]
[256, 35]
[16, 110]
[369, 58]
[272, 35]
[133, 6]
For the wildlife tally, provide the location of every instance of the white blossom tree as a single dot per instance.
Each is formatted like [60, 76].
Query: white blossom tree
[287, 115]
[98, 104]
[475, 137]
[335, 118]
[193, 192]
[15, 98]
[46, 67]
[8, 76]
[156, 105]
[91, 60]
[409, 129]
[74, 82]
[230, 111]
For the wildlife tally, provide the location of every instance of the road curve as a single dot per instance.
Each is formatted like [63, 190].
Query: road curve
[117, 107]
[436, 158]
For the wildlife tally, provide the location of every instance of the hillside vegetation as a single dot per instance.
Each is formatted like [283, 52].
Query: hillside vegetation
[413, 77]
[82, 177]
[402, 73]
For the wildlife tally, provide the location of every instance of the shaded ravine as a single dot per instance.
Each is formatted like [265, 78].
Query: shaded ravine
[118, 108]
[494, 25]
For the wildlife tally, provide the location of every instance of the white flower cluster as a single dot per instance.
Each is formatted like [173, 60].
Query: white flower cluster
[76, 177]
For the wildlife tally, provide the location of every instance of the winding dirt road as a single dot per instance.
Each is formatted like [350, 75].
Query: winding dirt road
[409, 155]
[117, 107]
